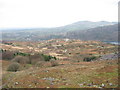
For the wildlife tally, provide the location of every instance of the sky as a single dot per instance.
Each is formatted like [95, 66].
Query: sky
[55, 13]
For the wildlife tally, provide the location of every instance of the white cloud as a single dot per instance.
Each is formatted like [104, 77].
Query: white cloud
[52, 13]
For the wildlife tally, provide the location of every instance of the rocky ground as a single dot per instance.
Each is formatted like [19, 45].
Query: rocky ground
[96, 74]
[71, 71]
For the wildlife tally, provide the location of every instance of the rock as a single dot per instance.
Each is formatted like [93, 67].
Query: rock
[16, 83]
[67, 84]
[80, 84]
[44, 78]
[103, 85]
[49, 78]
[64, 79]
[89, 84]
[29, 85]
[110, 84]
[95, 86]
[51, 83]
[46, 70]
[84, 82]
[47, 87]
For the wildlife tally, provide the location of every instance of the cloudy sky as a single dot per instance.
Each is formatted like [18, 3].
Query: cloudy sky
[54, 13]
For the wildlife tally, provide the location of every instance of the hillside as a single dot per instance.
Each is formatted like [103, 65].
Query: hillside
[83, 25]
[37, 34]
[80, 25]
[78, 64]
[106, 33]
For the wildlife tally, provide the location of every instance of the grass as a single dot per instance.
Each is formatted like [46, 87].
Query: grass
[66, 75]
[74, 76]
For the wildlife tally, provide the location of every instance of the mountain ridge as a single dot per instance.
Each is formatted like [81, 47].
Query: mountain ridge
[75, 23]
[80, 30]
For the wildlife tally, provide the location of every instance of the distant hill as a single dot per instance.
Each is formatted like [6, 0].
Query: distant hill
[103, 33]
[82, 25]
[79, 29]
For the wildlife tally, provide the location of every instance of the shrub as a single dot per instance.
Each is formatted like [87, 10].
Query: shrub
[14, 67]
[36, 58]
[88, 59]
[21, 60]
[40, 64]
[48, 58]
[54, 63]
[21, 54]
[7, 55]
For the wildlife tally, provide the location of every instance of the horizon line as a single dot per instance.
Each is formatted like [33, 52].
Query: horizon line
[9, 28]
